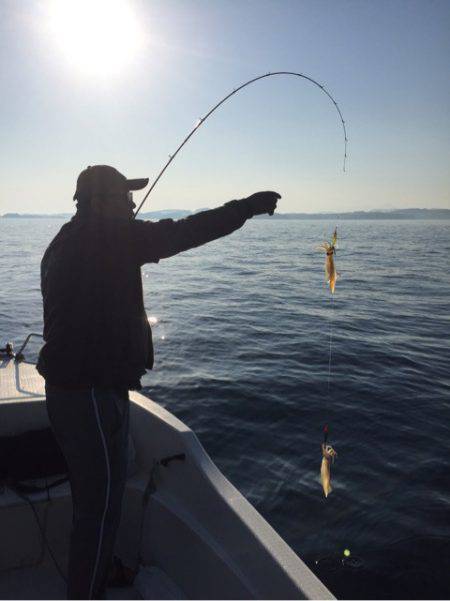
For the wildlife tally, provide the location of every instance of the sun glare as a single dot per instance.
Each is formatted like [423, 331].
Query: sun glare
[97, 37]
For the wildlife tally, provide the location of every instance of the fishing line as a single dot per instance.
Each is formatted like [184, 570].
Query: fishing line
[331, 340]
[235, 91]
[328, 452]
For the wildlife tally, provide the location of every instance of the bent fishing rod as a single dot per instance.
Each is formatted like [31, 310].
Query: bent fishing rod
[235, 91]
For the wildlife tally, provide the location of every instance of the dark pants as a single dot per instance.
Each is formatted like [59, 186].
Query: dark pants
[91, 427]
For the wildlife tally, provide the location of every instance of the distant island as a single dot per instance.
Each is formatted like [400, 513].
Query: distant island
[360, 215]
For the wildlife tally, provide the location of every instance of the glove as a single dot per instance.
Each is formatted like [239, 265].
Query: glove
[262, 202]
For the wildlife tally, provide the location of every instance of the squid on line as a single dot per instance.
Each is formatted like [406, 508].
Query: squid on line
[330, 268]
[328, 455]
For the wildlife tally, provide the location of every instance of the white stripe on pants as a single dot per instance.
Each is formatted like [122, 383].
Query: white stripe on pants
[108, 485]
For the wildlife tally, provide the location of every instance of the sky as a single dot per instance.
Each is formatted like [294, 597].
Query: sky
[82, 88]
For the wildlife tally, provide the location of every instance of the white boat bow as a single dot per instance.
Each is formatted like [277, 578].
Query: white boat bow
[200, 538]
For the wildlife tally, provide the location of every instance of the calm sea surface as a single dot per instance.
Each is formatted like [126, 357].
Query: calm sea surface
[242, 345]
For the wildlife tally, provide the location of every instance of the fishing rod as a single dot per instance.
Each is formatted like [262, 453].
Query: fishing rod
[235, 91]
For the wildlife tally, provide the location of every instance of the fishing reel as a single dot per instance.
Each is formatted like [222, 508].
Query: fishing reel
[8, 351]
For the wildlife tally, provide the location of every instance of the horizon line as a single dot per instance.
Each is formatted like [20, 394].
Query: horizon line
[193, 211]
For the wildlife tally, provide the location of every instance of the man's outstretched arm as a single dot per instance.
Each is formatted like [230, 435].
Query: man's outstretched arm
[165, 238]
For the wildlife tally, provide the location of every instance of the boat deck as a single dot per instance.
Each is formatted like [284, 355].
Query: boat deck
[44, 582]
[21, 382]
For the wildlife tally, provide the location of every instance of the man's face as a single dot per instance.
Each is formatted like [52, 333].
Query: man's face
[130, 200]
[121, 204]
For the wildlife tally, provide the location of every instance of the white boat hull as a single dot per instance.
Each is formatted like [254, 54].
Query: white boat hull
[203, 539]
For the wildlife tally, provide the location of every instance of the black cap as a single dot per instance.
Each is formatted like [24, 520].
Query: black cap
[103, 179]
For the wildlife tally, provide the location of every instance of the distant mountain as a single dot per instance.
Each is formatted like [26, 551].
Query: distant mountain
[165, 214]
[36, 216]
[180, 213]
[374, 214]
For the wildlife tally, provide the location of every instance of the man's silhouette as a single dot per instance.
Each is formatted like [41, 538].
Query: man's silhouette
[98, 344]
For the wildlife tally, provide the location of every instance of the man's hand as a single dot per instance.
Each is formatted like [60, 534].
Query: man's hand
[262, 202]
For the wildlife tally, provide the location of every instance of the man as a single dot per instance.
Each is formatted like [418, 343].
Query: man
[98, 344]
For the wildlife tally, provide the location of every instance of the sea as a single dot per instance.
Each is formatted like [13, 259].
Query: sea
[243, 329]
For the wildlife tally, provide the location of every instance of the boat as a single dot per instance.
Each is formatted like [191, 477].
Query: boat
[190, 531]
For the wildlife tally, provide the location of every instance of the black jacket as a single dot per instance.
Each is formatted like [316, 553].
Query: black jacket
[96, 330]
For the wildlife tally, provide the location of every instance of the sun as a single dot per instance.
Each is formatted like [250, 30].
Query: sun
[97, 37]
